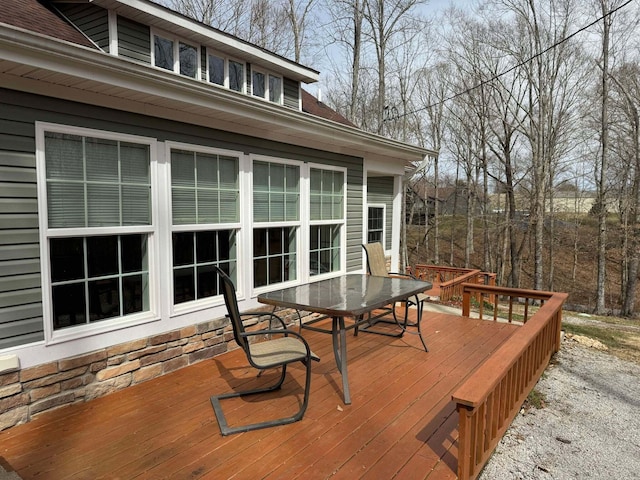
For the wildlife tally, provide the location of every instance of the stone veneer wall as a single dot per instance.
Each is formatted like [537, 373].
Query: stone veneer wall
[30, 391]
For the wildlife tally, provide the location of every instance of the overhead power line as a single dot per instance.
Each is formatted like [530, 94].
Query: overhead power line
[514, 67]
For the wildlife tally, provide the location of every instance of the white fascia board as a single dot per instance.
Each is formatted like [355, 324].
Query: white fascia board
[279, 123]
[167, 19]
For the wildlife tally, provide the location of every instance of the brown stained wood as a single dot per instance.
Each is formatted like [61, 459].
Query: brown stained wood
[402, 420]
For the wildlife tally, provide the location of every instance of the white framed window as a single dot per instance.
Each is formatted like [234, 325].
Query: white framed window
[216, 68]
[266, 85]
[97, 229]
[276, 221]
[236, 77]
[327, 217]
[275, 89]
[171, 53]
[205, 211]
[376, 219]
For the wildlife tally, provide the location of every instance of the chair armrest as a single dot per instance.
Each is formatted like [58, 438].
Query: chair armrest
[401, 275]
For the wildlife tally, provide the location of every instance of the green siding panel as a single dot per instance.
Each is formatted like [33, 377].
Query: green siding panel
[134, 40]
[291, 93]
[22, 110]
[91, 20]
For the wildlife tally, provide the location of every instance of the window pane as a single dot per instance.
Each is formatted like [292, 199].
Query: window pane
[216, 70]
[184, 289]
[67, 259]
[163, 52]
[257, 84]
[102, 256]
[207, 170]
[183, 168]
[134, 253]
[65, 204]
[274, 259]
[188, 60]
[103, 205]
[183, 248]
[64, 156]
[104, 299]
[236, 76]
[206, 247]
[207, 281]
[69, 305]
[136, 205]
[102, 160]
[275, 89]
[133, 293]
[135, 163]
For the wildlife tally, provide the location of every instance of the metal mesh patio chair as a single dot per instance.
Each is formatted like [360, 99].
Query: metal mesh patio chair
[287, 348]
[377, 266]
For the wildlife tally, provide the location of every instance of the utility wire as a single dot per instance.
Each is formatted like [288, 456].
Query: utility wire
[511, 69]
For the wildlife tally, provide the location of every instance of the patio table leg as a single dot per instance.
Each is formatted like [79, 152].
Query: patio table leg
[340, 352]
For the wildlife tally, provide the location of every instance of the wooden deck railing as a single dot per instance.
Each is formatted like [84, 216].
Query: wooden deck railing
[490, 398]
[449, 280]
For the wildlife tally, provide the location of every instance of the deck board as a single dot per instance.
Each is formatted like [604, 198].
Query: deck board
[401, 422]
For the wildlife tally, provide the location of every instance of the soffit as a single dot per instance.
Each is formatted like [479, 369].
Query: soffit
[36, 64]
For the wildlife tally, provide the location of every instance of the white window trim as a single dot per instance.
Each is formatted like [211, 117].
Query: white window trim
[298, 224]
[227, 76]
[90, 329]
[384, 222]
[343, 222]
[208, 302]
[267, 95]
[176, 52]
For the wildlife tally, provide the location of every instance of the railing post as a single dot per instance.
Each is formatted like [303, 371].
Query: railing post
[466, 302]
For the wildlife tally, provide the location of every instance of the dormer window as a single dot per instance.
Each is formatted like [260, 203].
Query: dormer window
[175, 55]
[236, 76]
[216, 70]
[266, 86]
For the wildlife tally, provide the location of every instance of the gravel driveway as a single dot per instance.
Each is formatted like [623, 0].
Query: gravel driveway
[589, 427]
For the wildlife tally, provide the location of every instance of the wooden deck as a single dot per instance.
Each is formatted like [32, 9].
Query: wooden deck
[402, 422]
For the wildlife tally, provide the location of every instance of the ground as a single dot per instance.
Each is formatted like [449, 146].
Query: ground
[588, 426]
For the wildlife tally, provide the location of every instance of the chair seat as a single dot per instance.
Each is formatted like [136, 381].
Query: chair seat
[278, 351]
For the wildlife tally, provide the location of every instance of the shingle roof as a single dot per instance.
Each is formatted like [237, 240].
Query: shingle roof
[310, 104]
[36, 16]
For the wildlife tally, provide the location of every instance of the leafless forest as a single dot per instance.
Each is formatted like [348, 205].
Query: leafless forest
[524, 102]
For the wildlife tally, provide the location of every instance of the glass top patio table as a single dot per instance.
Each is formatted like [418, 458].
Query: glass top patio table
[352, 295]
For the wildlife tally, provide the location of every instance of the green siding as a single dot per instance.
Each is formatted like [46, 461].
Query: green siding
[90, 19]
[291, 93]
[134, 40]
[21, 314]
[380, 190]
[20, 294]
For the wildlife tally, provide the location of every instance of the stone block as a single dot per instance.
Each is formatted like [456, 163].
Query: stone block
[43, 392]
[8, 403]
[147, 373]
[189, 331]
[161, 356]
[118, 370]
[7, 378]
[205, 353]
[82, 360]
[55, 378]
[100, 389]
[175, 363]
[51, 402]
[164, 337]
[14, 417]
[39, 371]
[193, 346]
[9, 390]
[146, 351]
[117, 360]
[128, 347]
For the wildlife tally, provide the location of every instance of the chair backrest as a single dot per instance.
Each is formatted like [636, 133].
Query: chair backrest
[376, 261]
[231, 301]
